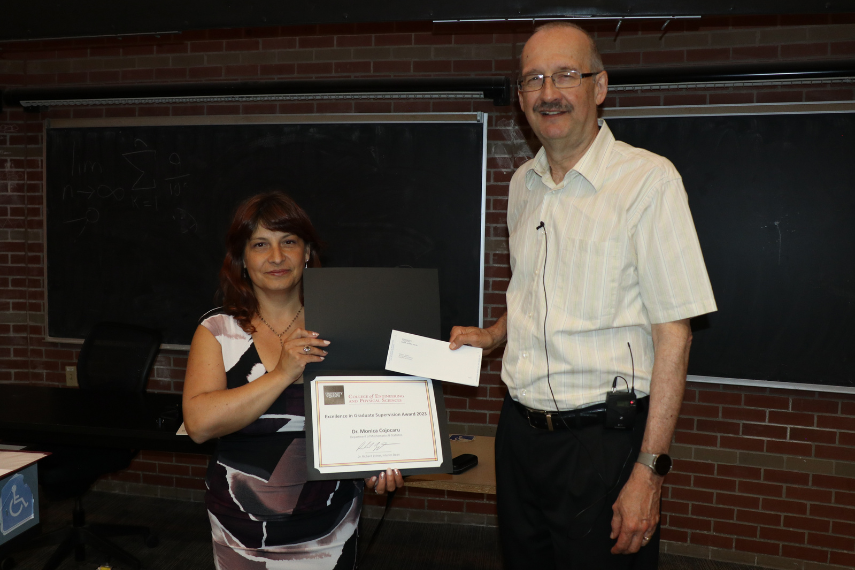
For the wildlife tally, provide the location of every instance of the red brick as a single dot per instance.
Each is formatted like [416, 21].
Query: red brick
[793, 51]
[675, 507]
[713, 512]
[242, 45]
[834, 482]
[472, 66]
[312, 42]
[765, 431]
[762, 489]
[766, 401]
[353, 41]
[784, 506]
[674, 535]
[830, 542]
[480, 508]
[709, 54]
[393, 40]
[842, 558]
[807, 523]
[787, 477]
[736, 500]
[743, 414]
[791, 418]
[715, 541]
[445, 505]
[804, 553]
[832, 512]
[842, 527]
[696, 439]
[689, 523]
[780, 97]
[392, 66]
[735, 529]
[782, 535]
[731, 98]
[836, 422]
[754, 52]
[843, 48]
[717, 426]
[757, 546]
[205, 72]
[700, 411]
[206, 47]
[789, 448]
[315, 68]
[739, 472]
[717, 397]
[833, 452]
[352, 67]
[689, 466]
[660, 57]
[815, 406]
[432, 66]
[813, 435]
[714, 483]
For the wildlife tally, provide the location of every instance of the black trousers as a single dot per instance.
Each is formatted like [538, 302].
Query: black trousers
[555, 491]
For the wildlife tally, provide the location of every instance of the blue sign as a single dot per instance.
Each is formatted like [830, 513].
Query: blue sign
[18, 504]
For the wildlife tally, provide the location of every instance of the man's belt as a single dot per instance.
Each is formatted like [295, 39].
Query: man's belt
[570, 419]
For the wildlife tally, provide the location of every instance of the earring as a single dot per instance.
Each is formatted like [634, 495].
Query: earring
[307, 263]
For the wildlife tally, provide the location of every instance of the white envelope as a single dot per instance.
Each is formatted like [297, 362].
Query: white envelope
[422, 356]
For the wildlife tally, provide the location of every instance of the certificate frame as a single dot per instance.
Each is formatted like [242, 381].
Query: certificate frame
[439, 402]
[356, 308]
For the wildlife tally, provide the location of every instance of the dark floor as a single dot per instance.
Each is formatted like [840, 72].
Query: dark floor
[185, 540]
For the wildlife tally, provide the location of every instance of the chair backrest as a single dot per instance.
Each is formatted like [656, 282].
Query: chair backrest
[117, 357]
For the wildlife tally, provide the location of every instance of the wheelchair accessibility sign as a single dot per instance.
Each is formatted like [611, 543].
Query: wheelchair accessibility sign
[17, 502]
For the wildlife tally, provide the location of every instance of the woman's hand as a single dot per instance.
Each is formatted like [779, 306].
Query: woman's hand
[301, 348]
[385, 482]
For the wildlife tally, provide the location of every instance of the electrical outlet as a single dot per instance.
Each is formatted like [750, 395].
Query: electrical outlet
[71, 375]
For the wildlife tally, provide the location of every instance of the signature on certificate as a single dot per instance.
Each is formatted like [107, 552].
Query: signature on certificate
[373, 445]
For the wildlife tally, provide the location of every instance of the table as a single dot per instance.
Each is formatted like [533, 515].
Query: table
[35, 414]
[479, 479]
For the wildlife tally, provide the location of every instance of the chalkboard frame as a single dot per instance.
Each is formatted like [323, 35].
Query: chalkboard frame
[751, 109]
[332, 118]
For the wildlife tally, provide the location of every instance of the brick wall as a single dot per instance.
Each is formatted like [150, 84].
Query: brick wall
[761, 476]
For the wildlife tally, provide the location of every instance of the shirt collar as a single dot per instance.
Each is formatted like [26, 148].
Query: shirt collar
[591, 166]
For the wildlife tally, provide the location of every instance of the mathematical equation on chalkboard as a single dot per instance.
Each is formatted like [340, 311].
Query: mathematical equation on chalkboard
[145, 179]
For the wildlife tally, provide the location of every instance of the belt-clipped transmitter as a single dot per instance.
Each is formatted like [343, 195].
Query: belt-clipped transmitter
[622, 407]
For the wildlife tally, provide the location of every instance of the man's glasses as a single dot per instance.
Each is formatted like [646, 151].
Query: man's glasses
[561, 80]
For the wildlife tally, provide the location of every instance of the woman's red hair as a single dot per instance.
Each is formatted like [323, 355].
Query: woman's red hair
[277, 212]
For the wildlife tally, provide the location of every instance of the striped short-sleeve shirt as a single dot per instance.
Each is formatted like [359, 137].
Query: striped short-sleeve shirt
[617, 252]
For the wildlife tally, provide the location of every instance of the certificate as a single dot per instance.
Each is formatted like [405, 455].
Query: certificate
[368, 423]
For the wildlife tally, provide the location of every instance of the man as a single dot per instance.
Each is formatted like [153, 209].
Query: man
[604, 254]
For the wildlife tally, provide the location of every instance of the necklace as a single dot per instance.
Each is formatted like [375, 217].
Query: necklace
[286, 328]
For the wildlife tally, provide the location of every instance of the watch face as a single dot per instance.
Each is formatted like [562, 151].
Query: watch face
[662, 465]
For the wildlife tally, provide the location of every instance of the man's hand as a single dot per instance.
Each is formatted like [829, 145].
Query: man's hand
[636, 511]
[486, 339]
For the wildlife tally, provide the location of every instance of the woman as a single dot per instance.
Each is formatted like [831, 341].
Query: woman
[244, 386]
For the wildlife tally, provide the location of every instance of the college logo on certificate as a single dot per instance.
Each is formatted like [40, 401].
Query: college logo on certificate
[373, 422]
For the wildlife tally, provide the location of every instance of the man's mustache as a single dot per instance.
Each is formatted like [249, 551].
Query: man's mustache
[552, 106]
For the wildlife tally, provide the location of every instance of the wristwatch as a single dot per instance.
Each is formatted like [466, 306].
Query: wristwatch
[660, 464]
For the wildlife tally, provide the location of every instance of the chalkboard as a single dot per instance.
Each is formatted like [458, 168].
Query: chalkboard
[773, 199]
[137, 213]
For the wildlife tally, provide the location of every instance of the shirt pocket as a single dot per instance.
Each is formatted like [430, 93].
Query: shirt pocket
[587, 280]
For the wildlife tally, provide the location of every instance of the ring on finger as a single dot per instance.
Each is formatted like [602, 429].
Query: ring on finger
[307, 349]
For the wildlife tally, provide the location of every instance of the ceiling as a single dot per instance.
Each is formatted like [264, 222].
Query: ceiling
[44, 19]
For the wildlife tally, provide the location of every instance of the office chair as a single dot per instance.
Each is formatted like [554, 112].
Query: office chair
[114, 357]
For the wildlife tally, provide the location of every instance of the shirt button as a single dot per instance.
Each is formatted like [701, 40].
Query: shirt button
[525, 355]
[523, 392]
[530, 314]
